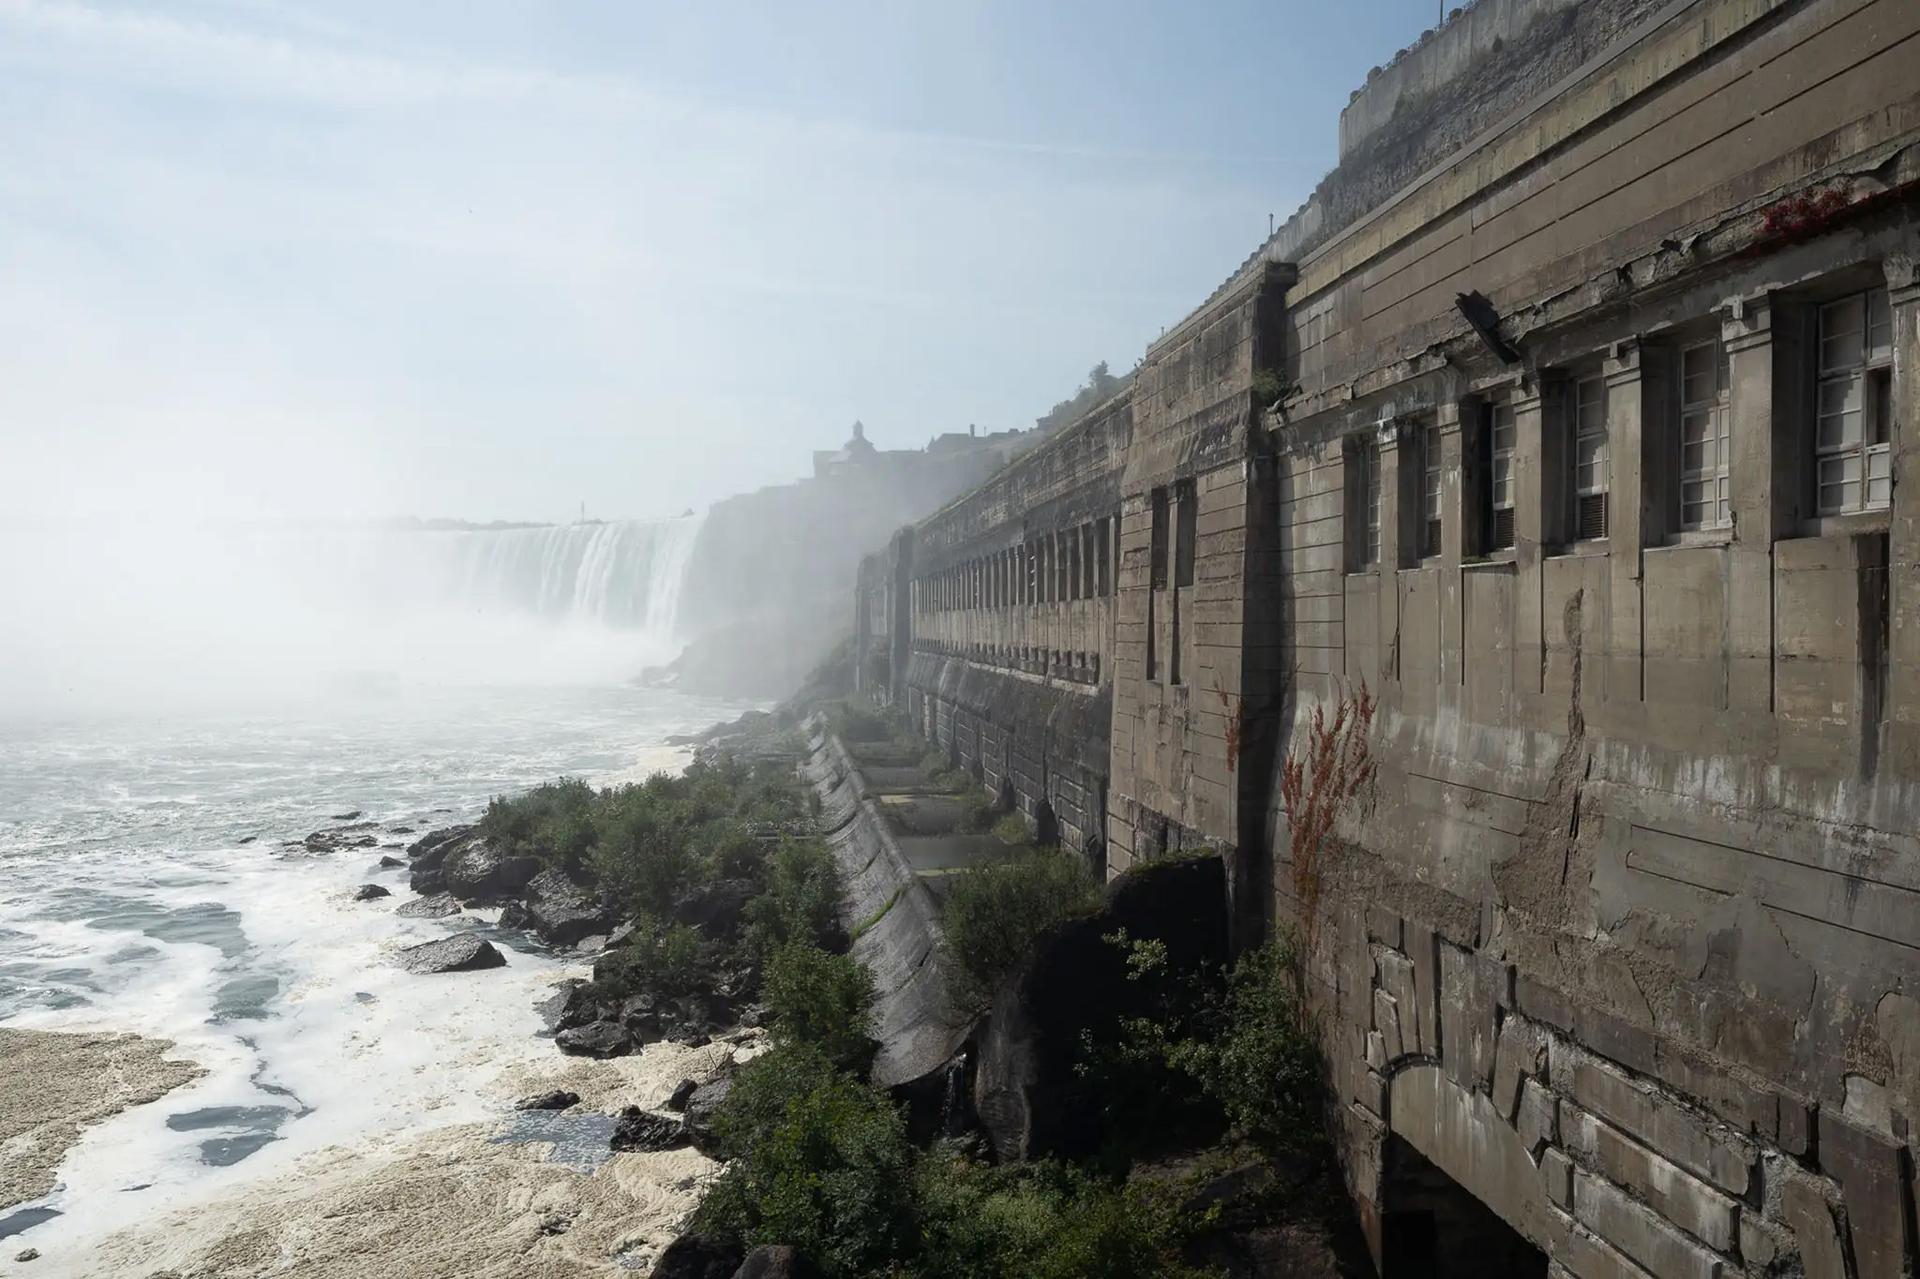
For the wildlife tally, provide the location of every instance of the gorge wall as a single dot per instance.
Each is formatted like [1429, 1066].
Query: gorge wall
[1581, 426]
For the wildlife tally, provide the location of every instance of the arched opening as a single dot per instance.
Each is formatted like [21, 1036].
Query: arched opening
[1096, 853]
[1431, 1225]
[1046, 826]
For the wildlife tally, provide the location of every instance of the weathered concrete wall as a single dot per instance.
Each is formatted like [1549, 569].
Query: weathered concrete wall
[1622, 938]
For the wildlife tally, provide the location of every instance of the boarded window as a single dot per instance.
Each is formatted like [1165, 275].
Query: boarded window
[1158, 549]
[1187, 510]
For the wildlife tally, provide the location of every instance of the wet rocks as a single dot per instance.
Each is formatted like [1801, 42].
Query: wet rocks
[638, 1130]
[458, 954]
[370, 892]
[389, 862]
[715, 909]
[772, 1261]
[429, 854]
[336, 839]
[558, 1099]
[700, 1111]
[681, 1095]
[699, 1257]
[353, 816]
[561, 911]
[477, 870]
[596, 1039]
[435, 906]
[555, 1009]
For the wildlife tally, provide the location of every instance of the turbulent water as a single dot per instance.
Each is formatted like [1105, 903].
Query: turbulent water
[148, 848]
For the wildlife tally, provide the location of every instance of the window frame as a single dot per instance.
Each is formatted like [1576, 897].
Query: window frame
[1868, 374]
[1433, 515]
[1715, 410]
[1586, 407]
[1496, 410]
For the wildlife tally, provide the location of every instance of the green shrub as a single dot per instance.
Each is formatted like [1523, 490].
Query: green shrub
[1012, 829]
[553, 821]
[1041, 1221]
[819, 1160]
[644, 855]
[824, 1000]
[853, 722]
[977, 810]
[801, 901]
[729, 849]
[1256, 1053]
[656, 958]
[996, 911]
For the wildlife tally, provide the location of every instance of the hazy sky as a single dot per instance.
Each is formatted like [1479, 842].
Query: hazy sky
[487, 259]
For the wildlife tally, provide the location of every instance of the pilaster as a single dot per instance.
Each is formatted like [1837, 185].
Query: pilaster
[1535, 515]
[1394, 543]
[1759, 341]
[1634, 424]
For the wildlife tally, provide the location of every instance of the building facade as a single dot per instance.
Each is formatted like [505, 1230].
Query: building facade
[1576, 420]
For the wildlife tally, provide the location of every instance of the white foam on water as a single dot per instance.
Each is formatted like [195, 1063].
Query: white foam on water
[131, 833]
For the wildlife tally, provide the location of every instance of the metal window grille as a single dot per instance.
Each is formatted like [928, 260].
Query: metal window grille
[1853, 410]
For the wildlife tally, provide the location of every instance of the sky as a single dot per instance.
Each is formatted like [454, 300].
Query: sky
[479, 259]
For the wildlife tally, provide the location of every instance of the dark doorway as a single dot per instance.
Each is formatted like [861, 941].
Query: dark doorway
[1433, 1226]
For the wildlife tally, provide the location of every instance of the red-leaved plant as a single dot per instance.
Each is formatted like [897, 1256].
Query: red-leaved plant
[1319, 786]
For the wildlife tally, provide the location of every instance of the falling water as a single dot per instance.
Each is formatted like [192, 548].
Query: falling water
[624, 574]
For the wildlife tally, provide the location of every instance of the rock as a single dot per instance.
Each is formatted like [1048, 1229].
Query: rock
[681, 1095]
[562, 911]
[434, 843]
[772, 1261]
[699, 1257]
[638, 1130]
[244, 839]
[514, 915]
[370, 892]
[558, 1099]
[715, 909]
[459, 954]
[27, 1254]
[389, 861]
[333, 841]
[596, 1039]
[478, 870]
[555, 1010]
[434, 906]
[353, 816]
[399, 830]
[700, 1109]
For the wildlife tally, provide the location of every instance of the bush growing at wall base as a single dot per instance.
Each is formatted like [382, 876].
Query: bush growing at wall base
[824, 1000]
[996, 911]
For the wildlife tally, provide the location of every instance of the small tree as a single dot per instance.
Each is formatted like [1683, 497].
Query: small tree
[1320, 785]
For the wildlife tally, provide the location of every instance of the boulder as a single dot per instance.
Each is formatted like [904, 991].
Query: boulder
[514, 915]
[558, 1099]
[477, 870]
[772, 1261]
[458, 954]
[434, 906]
[370, 892]
[715, 909]
[681, 1095]
[638, 1130]
[699, 1257]
[333, 841]
[700, 1110]
[353, 816]
[596, 1039]
[431, 848]
[556, 1010]
[389, 862]
[561, 911]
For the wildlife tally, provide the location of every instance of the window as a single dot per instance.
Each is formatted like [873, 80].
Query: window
[1102, 574]
[1187, 516]
[1502, 436]
[1590, 465]
[1705, 445]
[1430, 491]
[1158, 560]
[1853, 409]
[1366, 490]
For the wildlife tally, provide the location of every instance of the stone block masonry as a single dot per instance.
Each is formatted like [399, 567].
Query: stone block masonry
[1577, 416]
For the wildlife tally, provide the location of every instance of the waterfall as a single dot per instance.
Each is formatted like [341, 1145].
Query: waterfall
[621, 575]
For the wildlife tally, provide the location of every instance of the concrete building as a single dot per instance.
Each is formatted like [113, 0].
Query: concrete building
[1576, 417]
